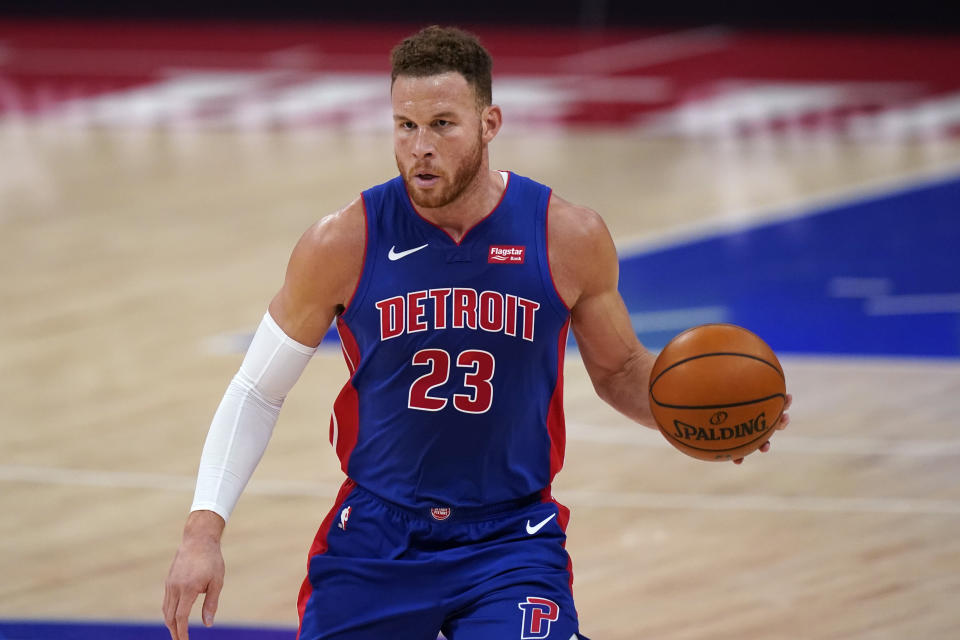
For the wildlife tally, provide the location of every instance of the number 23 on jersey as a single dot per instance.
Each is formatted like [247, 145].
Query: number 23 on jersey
[475, 365]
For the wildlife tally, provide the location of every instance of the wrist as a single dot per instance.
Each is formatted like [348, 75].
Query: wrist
[204, 525]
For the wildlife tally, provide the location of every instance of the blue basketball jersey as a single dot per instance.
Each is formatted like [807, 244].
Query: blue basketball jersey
[455, 352]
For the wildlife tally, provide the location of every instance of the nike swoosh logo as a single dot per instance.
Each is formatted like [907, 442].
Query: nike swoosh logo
[395, 255]
[540, 525]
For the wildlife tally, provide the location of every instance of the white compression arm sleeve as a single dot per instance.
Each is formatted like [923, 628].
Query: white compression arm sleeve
[244, 421]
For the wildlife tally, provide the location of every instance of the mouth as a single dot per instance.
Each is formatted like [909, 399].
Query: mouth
[425, 179]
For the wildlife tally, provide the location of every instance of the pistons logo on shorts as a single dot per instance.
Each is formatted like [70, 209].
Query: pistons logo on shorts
[440, 513]
[538, 613]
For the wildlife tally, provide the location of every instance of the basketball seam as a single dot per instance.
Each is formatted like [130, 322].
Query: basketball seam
[716, 406]
[715, 353]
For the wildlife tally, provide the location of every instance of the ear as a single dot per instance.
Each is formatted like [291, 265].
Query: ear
[491, 119]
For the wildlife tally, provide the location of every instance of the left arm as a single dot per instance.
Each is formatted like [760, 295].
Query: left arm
[585, 268]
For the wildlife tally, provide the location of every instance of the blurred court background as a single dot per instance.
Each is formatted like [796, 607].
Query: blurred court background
[791, 168]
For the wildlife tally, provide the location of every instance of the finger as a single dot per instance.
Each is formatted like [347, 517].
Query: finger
[210, 602]
[183, 614]
[786, 405]
[765, 447]
[738, 461]
[169, 611]
[784, 421]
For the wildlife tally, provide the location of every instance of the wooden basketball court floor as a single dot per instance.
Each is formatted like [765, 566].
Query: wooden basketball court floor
[130, 258]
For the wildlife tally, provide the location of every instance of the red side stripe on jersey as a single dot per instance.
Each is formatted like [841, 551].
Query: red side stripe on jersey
[563, 519]
[345, 421]
[556, 427]
[319, 546]
[351, 350]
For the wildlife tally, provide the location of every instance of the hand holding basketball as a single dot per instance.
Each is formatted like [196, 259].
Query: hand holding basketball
[784, 421]
[717, 392]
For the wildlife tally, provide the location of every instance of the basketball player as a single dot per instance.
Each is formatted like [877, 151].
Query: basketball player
[453, 288]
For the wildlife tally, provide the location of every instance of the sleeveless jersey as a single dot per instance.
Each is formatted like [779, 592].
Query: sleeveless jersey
[455, 352]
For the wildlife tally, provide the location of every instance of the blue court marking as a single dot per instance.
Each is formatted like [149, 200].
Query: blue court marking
[879, 276]
[37, 630]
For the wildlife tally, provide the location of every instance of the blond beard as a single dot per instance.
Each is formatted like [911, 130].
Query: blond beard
[462, 178]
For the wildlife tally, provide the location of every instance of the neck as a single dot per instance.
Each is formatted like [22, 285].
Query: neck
[475, 203]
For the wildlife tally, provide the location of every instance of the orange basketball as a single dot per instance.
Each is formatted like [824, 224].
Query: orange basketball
[717, 392]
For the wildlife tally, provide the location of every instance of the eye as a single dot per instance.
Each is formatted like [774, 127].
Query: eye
[442, 123]
[409, 126]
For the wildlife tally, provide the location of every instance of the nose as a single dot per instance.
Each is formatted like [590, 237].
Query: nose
[423, 146]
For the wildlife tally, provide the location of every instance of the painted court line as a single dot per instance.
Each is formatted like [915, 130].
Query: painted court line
[706, 502]
[738, 221]
[143, 480]
[785, 442]
[677, 319]
[913, 304]
[573, 497]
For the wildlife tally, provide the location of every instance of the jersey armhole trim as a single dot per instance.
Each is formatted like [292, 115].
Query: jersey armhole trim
[364, 279]
[546, 256]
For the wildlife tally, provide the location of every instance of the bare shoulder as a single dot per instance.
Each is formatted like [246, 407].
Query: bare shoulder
[573, 223]
[341, 234]
[322, 274]
[582, 253]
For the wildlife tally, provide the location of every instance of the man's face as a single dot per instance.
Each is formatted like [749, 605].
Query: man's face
[437, 136]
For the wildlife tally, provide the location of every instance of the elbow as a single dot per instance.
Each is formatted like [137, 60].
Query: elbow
[605, 390]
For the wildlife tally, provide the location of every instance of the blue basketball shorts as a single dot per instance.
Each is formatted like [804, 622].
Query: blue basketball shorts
[378, 570]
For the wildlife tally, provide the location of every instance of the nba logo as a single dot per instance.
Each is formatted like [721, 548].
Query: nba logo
[344, 516]
[538, 613]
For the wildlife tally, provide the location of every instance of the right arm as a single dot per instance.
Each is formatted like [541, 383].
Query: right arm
[321, 276]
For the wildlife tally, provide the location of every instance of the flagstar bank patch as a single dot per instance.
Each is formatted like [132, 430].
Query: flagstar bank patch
[506, 254]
